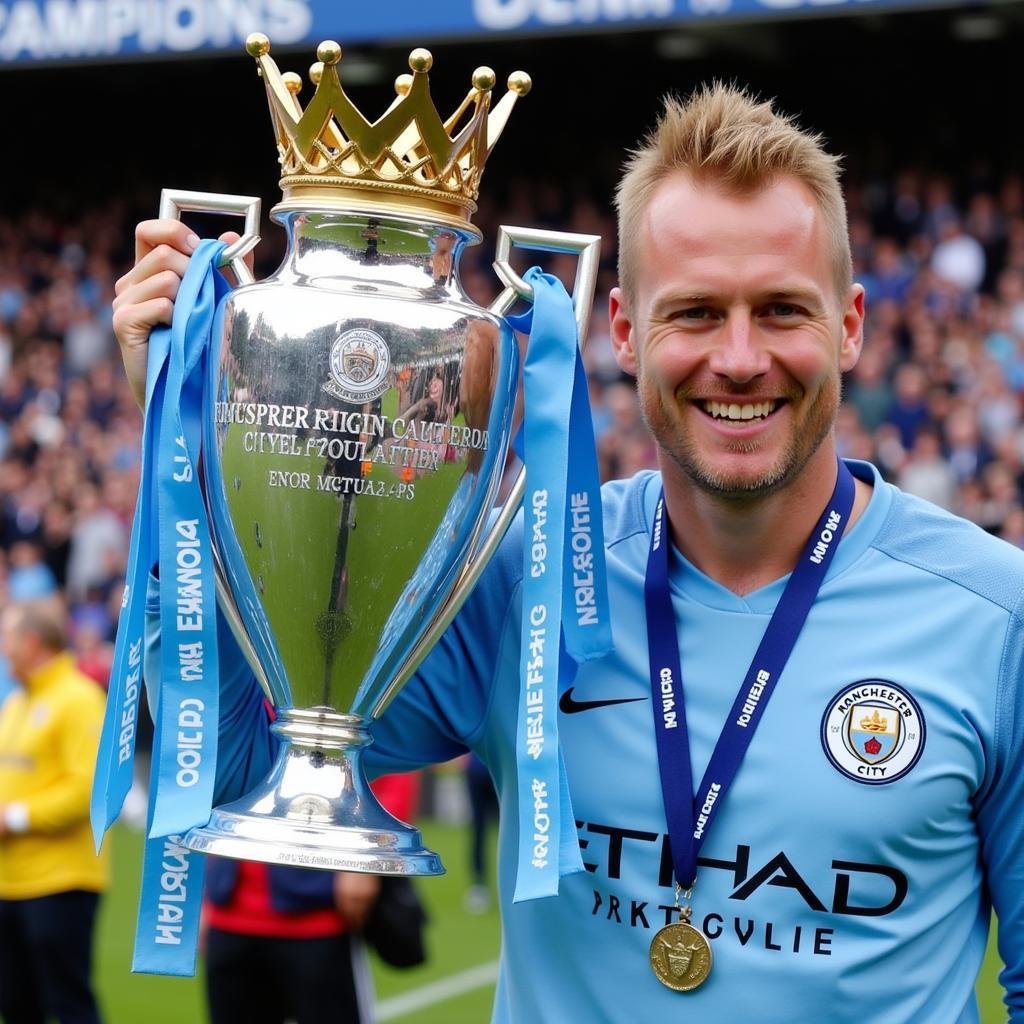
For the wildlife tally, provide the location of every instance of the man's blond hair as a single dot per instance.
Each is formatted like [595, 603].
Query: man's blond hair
[725, 137]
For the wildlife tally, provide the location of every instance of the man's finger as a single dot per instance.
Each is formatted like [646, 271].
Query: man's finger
[133, 321]
[132, 324]
[163, 257]
[162, 285]
[165, 231]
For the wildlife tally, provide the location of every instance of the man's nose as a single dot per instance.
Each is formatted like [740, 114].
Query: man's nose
[737, 353]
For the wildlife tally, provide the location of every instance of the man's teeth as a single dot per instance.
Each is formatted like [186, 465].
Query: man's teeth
[737, 413]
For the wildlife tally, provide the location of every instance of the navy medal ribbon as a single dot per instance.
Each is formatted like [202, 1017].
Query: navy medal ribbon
[689, 815]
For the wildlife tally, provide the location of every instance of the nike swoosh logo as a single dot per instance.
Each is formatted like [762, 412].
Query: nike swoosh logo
[571, 706]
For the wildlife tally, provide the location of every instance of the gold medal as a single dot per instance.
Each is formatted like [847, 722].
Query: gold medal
[681, 956]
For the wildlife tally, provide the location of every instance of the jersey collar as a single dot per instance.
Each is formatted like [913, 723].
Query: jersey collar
[686, 579]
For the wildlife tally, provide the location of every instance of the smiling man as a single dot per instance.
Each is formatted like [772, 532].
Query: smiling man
[797, 780]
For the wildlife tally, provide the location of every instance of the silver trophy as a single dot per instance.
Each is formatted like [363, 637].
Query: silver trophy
[355, 440]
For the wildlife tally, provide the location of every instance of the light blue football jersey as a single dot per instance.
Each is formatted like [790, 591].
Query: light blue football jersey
[876, 817]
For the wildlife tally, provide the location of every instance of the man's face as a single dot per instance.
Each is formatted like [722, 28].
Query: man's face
[736, 334]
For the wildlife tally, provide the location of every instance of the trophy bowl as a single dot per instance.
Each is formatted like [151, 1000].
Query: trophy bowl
[361, 408]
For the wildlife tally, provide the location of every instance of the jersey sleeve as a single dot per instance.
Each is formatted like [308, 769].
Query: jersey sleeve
[1000, 811]
[439, 714]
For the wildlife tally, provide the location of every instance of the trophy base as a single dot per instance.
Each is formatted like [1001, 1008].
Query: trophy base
[316, 809]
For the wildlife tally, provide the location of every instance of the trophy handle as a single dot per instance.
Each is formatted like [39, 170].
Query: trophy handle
[174, 200]
[490, 533]
[588, 248]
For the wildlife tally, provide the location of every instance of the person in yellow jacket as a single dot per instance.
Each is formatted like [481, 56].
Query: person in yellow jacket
[50, 875]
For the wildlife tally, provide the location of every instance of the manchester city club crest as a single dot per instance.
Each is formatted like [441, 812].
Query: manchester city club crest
[873, 731]
[360, 360]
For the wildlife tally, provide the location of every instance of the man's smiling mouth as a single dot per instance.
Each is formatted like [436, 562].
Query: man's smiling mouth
[740, 412]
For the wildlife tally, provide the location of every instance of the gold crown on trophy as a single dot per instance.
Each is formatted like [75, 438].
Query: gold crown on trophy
[409, 157]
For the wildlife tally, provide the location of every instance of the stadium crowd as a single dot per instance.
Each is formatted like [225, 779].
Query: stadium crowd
[935, 401]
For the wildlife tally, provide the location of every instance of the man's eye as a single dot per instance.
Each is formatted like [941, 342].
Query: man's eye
[783, 309]
[693, 313]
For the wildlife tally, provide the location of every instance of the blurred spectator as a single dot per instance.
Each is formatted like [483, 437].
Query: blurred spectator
[869, 390]
[890, 276]
[87, 342]
[21, 519]
[597, 354]
[927, 474]
[296, 931]
[1003, 495]
[966, 451]
[50, 873]
[998, 407]
[483, 810]
[98, 543]
[1010, 295]
[29, 578]
[1012, 530]
[940, 212]
[909, 409]
[55, 538]
[958, 258]
[91, 630]
[905, 213]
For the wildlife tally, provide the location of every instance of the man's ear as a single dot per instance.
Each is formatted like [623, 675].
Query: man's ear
[853, 328]
[622, 334]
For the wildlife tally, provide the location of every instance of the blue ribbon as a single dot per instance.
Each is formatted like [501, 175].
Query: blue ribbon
[116, 754]
[170, 905]
[565, 598]
[690, 815]
[185, 741]
[170, 528]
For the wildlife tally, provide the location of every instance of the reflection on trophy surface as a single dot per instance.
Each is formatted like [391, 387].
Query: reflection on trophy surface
[356, 436]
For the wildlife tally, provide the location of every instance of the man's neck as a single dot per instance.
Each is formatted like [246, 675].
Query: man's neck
[37, 665]
[745, 545]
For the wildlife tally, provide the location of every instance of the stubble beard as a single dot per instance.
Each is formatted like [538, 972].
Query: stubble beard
[739, 487]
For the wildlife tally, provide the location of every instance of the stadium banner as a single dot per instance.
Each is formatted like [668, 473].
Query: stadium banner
[58, 31]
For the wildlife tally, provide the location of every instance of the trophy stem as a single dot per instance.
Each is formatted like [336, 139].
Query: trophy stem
[316, 809]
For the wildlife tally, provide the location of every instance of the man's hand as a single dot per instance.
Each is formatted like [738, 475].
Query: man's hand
[355, 895]
[144, 297]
